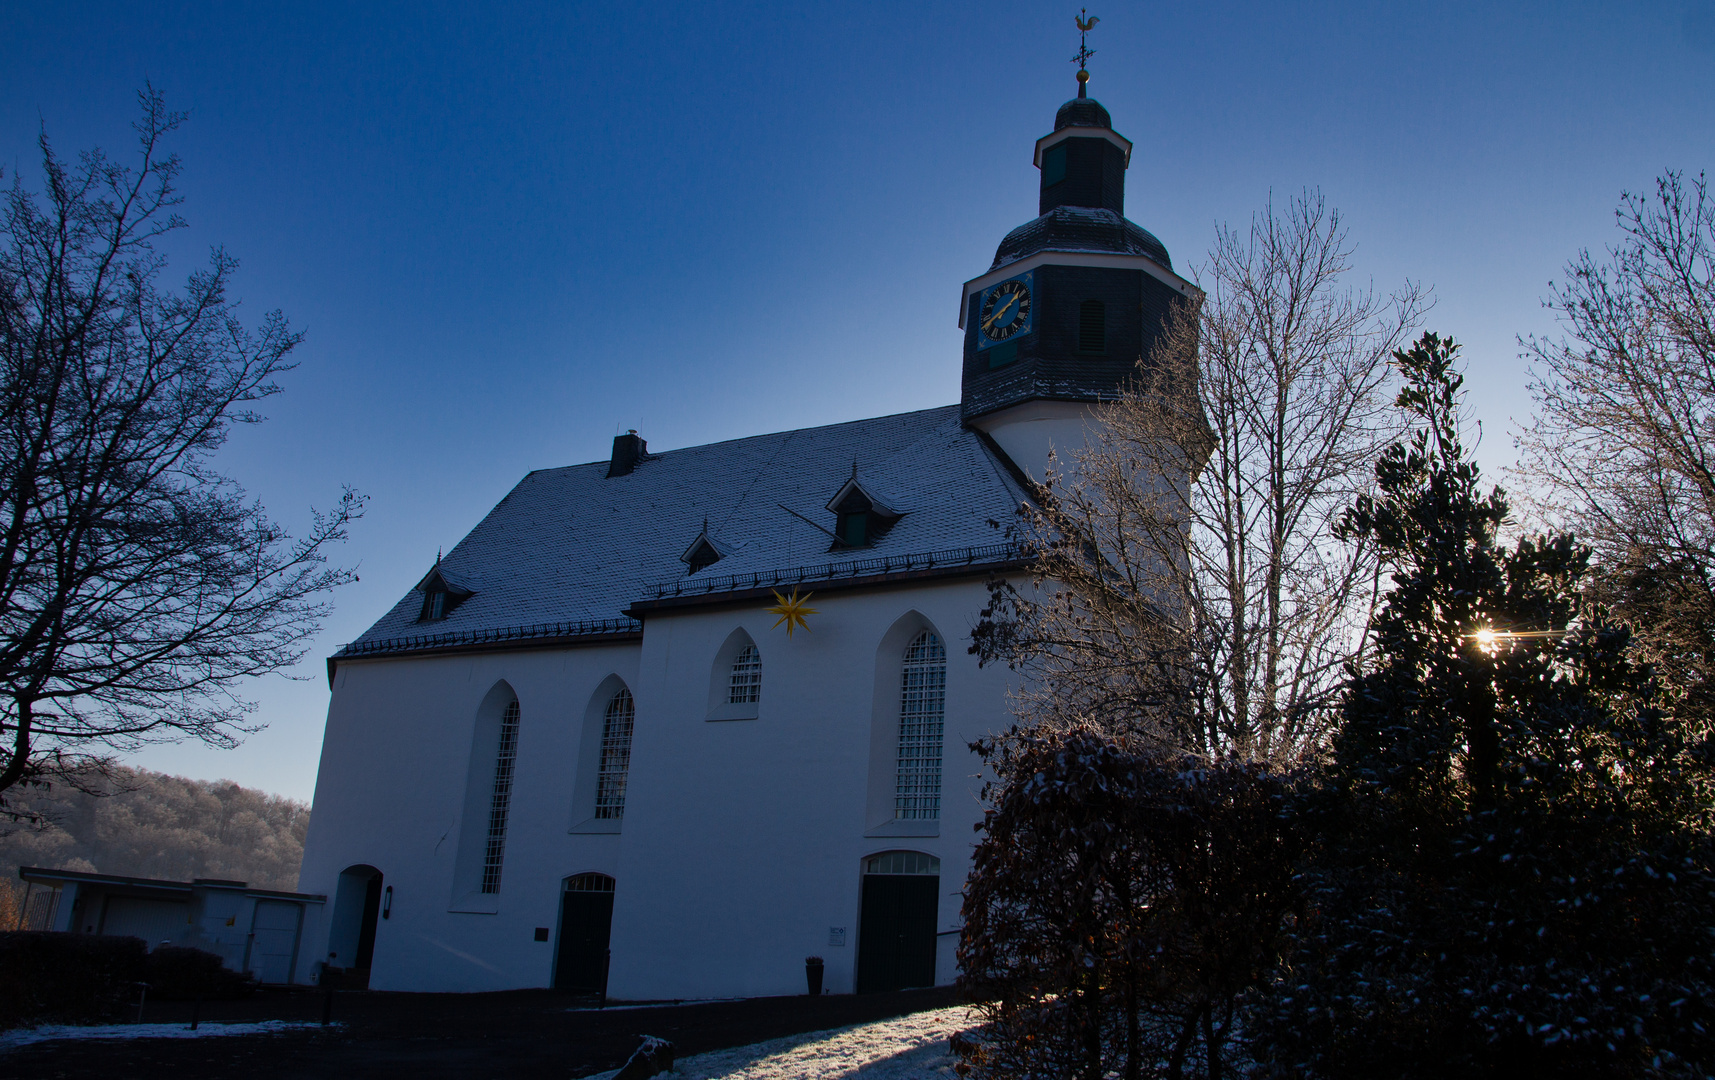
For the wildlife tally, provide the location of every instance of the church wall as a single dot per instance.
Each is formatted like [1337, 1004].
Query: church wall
[743, 840]
[391, 794]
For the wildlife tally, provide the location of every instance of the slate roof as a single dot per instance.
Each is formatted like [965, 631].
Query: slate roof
[1080, 228]
[572, 546]
[1082, 112]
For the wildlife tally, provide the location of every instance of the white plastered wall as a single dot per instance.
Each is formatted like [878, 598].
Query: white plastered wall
[1029, 432]
[742, 840]
[391, 794]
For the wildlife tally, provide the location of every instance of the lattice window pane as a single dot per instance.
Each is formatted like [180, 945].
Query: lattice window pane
[902, 862]
[745, 685]
[615, 755]
[922, 718]
[500, 800]
[589, 883]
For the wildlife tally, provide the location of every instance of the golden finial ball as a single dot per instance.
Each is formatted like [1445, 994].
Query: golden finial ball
[1083, 76]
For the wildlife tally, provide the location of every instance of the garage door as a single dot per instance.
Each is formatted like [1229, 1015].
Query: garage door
[154, 921]
[274, 940]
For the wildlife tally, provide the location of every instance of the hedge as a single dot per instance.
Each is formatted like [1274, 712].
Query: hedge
[67, 978]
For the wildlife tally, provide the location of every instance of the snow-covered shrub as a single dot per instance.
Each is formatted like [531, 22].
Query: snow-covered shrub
[1119, 906]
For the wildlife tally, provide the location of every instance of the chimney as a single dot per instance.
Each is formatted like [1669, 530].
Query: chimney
[628, 450]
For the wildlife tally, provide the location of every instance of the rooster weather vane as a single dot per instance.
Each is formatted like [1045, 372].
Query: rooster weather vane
[1086, 22]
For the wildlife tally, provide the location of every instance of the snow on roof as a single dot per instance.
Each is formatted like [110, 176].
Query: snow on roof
[572, 544]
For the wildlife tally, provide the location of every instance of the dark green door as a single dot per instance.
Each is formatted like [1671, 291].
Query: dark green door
[896, 932]
[586, 917]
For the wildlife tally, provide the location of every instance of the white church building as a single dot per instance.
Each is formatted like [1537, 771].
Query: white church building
[583, 753]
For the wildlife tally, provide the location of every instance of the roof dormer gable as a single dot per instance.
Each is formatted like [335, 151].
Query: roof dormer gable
[441, 594]
[861, 516]
[704, 551]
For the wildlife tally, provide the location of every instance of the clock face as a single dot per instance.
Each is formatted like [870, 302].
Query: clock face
[1005, 310]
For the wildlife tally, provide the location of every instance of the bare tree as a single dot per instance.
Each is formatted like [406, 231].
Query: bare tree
[138, 585]
[1622, 449]
[1188, 583]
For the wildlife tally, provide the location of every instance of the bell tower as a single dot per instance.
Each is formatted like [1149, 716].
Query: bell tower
[1072, 300]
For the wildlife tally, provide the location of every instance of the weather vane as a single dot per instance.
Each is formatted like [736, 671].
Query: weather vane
[1086, 22]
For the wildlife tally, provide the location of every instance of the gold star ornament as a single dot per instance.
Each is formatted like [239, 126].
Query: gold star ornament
[792, 610]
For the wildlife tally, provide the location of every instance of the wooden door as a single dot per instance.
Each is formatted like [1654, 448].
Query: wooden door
[896, 931]
[586, 919]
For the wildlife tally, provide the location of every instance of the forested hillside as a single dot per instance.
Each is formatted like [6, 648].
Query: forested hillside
[154, 825]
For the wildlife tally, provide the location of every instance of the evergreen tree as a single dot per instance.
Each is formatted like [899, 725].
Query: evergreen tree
[1513, 871]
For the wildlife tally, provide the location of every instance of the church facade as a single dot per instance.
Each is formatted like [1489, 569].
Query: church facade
[665, 725]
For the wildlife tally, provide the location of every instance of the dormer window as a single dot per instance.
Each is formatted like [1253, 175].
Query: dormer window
[440, 595]
[702, 552]
[860, 517]
[854, 528]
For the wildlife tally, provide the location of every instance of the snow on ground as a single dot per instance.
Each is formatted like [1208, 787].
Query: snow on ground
[907, 1048]
[11, 1040]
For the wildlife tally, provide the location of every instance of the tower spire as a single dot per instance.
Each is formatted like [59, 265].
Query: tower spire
[1086, 22]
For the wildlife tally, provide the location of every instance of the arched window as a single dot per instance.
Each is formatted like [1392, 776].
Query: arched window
[744, 685]
[500, 799]
[922, 718]
[615, 755]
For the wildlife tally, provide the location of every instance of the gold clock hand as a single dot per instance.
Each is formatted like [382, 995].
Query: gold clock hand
[1003, 310]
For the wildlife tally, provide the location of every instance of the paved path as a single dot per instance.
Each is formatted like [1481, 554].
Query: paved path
[522, 1034]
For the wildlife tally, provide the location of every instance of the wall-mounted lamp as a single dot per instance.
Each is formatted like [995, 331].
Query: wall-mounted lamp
[387, 902]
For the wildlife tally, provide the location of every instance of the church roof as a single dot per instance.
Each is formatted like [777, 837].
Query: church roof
[574, 548]
[1082, 112]
[1080, 228]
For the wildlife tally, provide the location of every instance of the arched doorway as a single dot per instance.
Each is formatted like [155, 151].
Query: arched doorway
[896, 924]
[586, 918]
[356, 910]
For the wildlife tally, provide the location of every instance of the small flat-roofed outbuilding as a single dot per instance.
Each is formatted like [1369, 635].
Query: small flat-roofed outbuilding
[256, 931]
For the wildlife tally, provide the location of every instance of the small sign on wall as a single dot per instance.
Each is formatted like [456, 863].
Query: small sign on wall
[836, 935]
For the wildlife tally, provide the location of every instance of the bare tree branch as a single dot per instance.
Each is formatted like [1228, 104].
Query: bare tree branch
[1189, 587]
[1622, 450]
[138, 585]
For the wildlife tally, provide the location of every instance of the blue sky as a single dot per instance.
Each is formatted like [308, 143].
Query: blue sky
[512, 230]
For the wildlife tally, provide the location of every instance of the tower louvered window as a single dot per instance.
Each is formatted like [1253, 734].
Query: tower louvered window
[1053, 165]
[615, 755]
[744, 685]
[500, 799]
[922, 718]
[1092, 326]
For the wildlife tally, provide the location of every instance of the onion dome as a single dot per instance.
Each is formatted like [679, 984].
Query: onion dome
[1082, 112]
[1080, 228]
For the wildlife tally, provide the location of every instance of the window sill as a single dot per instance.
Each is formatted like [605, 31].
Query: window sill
[476, 904]
[928, 827]
[597, 826]
[742, 711]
